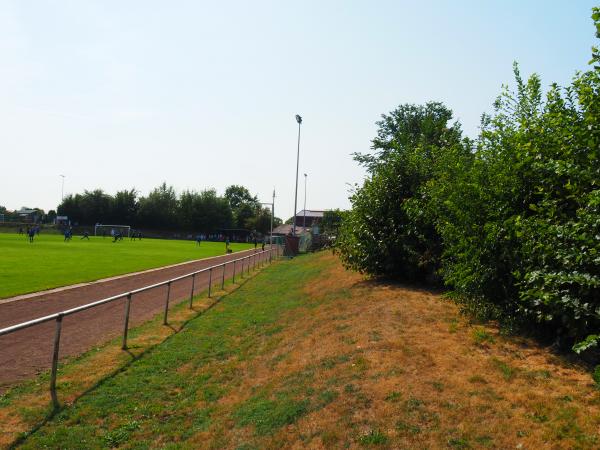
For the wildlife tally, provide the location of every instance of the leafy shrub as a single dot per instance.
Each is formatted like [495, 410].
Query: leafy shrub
[387, 232]
[511, 221]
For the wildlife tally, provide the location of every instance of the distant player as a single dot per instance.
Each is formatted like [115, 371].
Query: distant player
[67, 235]
[31, 234]
[86, 235]
[227, 249]
[198, 240]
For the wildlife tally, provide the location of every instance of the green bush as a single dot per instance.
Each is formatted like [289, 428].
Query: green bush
[511, 221]
[388, 232]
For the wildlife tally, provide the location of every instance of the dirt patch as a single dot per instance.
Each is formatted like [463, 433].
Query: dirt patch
[398, 367]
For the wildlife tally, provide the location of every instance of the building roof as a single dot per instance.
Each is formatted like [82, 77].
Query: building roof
[286, 229]
[311, 213]
[23, 211]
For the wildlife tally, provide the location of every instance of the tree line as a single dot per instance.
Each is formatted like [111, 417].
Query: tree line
[510, 221]
[164, 209]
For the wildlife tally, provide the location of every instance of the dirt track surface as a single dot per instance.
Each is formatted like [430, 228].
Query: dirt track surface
[27, 352]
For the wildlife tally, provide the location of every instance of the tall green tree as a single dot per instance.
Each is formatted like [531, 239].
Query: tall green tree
[160, 208]
[387, 232]
[243, 204]
[124, 207]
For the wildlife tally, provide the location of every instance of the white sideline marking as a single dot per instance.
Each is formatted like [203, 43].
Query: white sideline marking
[104, 280]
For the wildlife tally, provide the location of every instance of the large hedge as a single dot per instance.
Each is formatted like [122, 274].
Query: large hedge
[511, 222]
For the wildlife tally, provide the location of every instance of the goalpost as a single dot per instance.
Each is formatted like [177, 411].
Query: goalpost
[110, 230]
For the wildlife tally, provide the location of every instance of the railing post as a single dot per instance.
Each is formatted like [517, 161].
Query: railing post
[254, 262]
[57, 331]
[223, 280]
[249, 264]
[167, 302]
[126, 325]
[233, 271]
[209, 280]
[192, 291]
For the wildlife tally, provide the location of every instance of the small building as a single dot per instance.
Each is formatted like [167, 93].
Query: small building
[27, 215]
[286, 229]
[313, 217]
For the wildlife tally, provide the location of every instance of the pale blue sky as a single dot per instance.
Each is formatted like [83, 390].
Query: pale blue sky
[122, 94]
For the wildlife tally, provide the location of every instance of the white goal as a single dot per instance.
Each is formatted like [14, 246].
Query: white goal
[111, 230]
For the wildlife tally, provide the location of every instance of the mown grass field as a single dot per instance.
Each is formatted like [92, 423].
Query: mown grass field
[308, 355]
[50, 262]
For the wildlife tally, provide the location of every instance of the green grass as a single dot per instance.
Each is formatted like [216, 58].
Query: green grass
[173, 391]
[244, 374]
[49, 262]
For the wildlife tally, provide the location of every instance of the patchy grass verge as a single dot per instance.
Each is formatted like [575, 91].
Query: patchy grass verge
[26, 406]
[308, 355]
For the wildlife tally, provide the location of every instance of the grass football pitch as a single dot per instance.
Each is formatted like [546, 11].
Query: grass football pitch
[50, 262]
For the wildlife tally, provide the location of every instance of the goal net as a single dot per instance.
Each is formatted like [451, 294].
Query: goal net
[111, 230]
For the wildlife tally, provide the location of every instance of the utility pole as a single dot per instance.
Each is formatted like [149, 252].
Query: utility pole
[304, 224]
[299, 120]
[272, 214]
[62, 189]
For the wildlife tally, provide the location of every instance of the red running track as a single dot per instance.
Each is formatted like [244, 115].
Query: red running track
[27, 352]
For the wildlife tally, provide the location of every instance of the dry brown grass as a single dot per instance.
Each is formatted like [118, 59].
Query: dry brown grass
[409, 368]
[380, 365]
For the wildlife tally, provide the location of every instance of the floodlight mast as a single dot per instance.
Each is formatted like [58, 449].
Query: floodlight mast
[299, 120]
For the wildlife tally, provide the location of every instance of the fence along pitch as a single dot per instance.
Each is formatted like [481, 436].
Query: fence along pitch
[58, 317]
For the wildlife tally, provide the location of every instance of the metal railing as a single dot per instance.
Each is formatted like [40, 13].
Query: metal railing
[58, 317]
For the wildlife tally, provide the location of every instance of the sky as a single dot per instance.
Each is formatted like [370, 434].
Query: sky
[119, 95]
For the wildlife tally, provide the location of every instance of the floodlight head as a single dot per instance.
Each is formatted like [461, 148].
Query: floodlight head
[298, 119]
[305, 175]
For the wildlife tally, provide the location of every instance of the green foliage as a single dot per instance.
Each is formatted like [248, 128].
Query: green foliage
[163, 209]
[247, 210]
[388, 232]
[510, 221]
[591, 341]
[596, 376]
[332, 220]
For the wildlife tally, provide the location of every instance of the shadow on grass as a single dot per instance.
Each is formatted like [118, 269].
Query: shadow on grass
[415, 286]
[524, 334]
